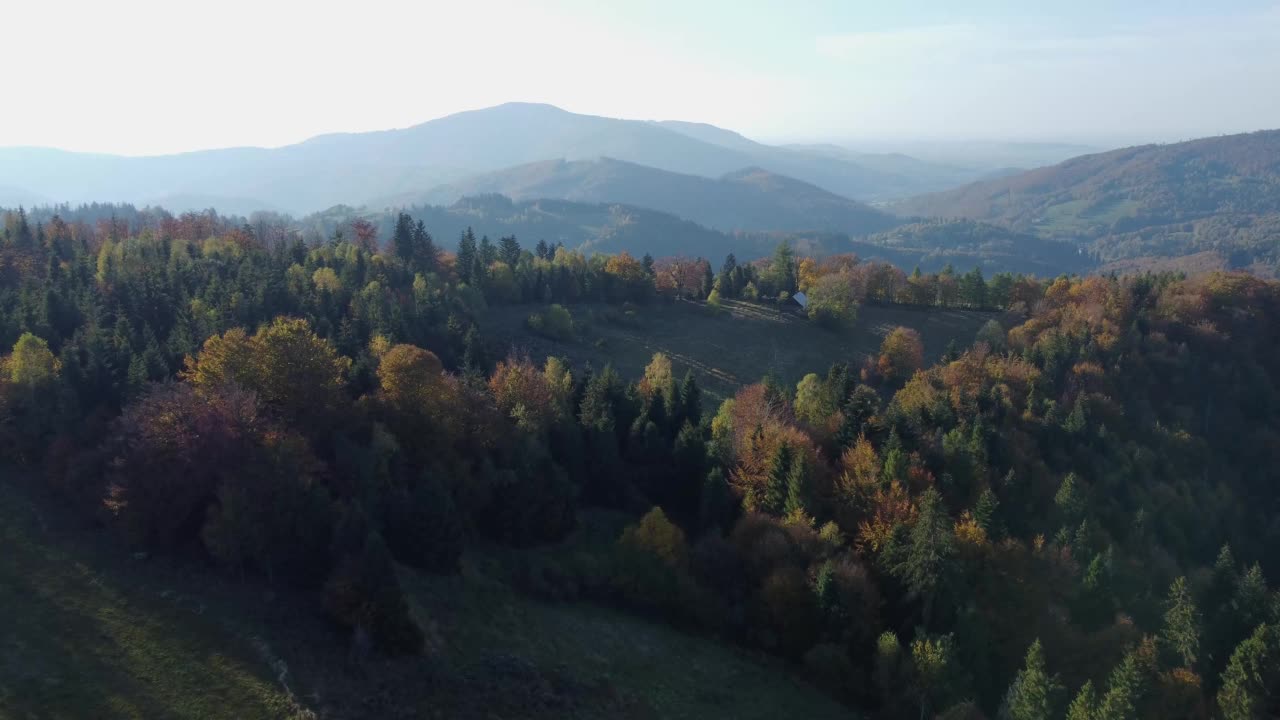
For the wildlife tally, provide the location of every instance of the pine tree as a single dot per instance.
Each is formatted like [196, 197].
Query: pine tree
[1034, 693]
[1070, 499]
[827, 591]
[542, 250]
[985, 512]
[1251, 684]
[690, 400]
[717, 502]
[797, 487]
[1182, 623]
[509, 250]
[775, 490]
[708, 280]
[466, 258]
[488, 253]
[426, 254]
[929, 556]
[1123, 690]
[402, 239]
[1085, 704]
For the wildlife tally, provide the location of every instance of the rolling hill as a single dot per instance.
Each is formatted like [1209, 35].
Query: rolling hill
[356, 168]
[613, 227]
[749, 199]
[1219, 195]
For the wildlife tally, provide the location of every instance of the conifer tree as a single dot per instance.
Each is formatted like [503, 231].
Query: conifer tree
[1182, 623]
[402, 238]
[797, 487]
[466, 258]
[985, 512]
[509, 250]
[1034, 693]
[1123, 690]
[928, 558]
[426, 254]
[775, 490]
[1085, 704]
[488, 253]
[1251, 684]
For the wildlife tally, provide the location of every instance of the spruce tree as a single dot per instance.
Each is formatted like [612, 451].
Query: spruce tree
[1034, 693]
[929, 556]
[1123, 691]
[1182, 623]
[775, 490]
[509, 250]
[425, 253]
[690, 400]
[827, 590]
[1251, 684]
[488, 253]
[797, 487]
[402, 239]
[1085, 704]
[466, 258]
[985, 512]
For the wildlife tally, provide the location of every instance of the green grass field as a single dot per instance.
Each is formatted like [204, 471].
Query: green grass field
[735, 347]
[90, 632]
[78, 640]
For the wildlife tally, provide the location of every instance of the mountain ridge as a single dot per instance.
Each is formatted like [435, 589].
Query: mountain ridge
[749, 198]
[334, 168]
[1219, 194]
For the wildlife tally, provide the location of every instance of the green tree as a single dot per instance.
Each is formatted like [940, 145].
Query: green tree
[1182, 623]
[402, 239]
[1251, 684]
[929, 556]
[32, 366]
[797, 487]
[1034, 694]
[782, 269]
[1084, 706]
[488, 253]
[426, 254]
[776, 485]
[932, 661]
[467, 258]
[1070, 500]
[509, 250]
[1124, 688]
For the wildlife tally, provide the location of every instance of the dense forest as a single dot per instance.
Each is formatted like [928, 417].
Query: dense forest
[1218, 194]
[1073, 517]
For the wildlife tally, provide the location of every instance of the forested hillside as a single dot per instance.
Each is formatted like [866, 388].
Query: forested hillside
[1074, 516]
[1219, 194]
[749, 199]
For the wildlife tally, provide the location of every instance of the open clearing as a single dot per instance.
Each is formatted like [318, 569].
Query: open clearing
[727, 350]
[91, 632]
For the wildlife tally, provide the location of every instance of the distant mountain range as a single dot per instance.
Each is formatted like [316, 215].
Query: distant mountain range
[358, 168]
[748, 199]
[1216, 195]
[678, 187]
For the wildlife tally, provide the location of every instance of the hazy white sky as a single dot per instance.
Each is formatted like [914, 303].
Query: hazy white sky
[153, 76]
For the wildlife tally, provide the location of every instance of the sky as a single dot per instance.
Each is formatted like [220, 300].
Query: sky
[161, 76]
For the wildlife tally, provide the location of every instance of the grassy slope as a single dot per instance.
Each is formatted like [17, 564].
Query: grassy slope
[625, 666]
[734, 348]
[77, 642]
[88, 632]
